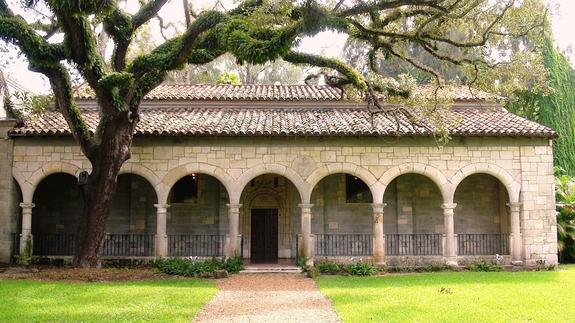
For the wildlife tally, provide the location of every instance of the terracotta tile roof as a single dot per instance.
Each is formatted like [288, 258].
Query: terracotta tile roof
[225, 92]
[270, 92]
[292, 121]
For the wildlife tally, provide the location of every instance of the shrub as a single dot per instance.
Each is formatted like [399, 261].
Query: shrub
[360, 269]
[312, 272]
[233, 265]
[329, 267]
[197, 268]
[483, 265]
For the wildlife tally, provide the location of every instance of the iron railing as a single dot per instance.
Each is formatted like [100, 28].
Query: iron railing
[115, 245]
[413, 244]
[191, 245]
[333, 245]
[61, 244]
[129, 245]
[469, 244]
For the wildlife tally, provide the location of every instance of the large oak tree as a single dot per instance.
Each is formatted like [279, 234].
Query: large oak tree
[254, 32]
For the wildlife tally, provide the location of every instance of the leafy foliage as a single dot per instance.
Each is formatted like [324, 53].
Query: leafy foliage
[484, 265]
[565, 199]
[354, 269]
[554, 108]
[197, 268]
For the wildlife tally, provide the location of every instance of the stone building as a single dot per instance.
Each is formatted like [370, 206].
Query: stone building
[270, 172]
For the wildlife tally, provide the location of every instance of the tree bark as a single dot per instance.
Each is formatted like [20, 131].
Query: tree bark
[99, 191]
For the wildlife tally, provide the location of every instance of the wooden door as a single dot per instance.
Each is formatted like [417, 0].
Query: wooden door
[264, 242]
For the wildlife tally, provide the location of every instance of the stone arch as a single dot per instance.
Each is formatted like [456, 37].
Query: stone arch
[164, 187]
[434, 174]
[145, 173]
[365, 175]
[262, 169]
[29, 187]
[512, 186]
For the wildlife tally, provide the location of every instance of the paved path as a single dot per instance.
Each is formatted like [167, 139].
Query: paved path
[268, 298]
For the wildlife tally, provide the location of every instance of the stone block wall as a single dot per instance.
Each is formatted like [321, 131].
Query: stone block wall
[520, 164]
[8, 206]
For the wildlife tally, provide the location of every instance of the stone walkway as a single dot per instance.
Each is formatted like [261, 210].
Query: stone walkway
[268, 298]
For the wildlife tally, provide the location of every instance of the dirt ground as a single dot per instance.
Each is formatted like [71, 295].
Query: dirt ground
[81, 275]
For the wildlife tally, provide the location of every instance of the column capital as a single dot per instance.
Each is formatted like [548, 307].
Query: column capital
[378, 207]
[305, 205]
[162, 206]
[27, 205]
[514, 206]
[448, 206]
[234, 205]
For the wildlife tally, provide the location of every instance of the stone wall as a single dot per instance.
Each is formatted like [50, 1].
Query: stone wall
[520, 164]
[8, 208]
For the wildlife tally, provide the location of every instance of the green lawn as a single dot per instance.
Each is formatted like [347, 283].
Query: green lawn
[474, 297]
[161, 300]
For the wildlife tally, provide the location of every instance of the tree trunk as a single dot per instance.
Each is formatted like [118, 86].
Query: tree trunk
[99, 191]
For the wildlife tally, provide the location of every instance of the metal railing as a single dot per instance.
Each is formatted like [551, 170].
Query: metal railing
[343, 245]
[413, 244]
[115, 245]
[60, 244]
[188, 245]
[129, 245]
[469, 244]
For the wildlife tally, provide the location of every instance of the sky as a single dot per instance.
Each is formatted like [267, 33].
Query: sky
[327, 43]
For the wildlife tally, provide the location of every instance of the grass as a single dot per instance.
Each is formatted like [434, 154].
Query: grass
[159, 300]
[454, 297]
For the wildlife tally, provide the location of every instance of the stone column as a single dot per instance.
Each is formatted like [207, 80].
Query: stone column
[515, 233]
[378, 234]
[161, 230]
[233, 249]
[26, 233]
[449, 250]
[306, 237]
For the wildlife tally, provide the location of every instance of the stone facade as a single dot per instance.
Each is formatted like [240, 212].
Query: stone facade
[421, 184]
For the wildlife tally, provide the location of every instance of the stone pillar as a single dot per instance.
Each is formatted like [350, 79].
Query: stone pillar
[449, 249]
[306, 237]
[515, 233]
[26, 233]
[161, 230]
[378, 234]
[233, 249]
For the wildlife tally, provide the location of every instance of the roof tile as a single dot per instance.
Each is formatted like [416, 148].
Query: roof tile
[299, 121]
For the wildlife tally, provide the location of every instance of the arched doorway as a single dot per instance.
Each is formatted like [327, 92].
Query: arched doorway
[269, 219]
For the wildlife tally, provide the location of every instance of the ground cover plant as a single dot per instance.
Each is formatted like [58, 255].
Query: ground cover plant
[539, 296]
[155, 300]
[198, 268]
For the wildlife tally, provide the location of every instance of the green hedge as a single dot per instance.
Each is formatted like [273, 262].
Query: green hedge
[197, 268]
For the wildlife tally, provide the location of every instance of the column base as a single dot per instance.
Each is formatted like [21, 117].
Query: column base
[517, 263]
[379, 261]
[451, 262]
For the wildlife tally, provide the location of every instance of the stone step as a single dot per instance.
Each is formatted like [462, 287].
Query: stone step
[271, 270]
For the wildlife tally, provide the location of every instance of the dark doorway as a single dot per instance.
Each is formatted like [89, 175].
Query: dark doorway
[264, 242]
